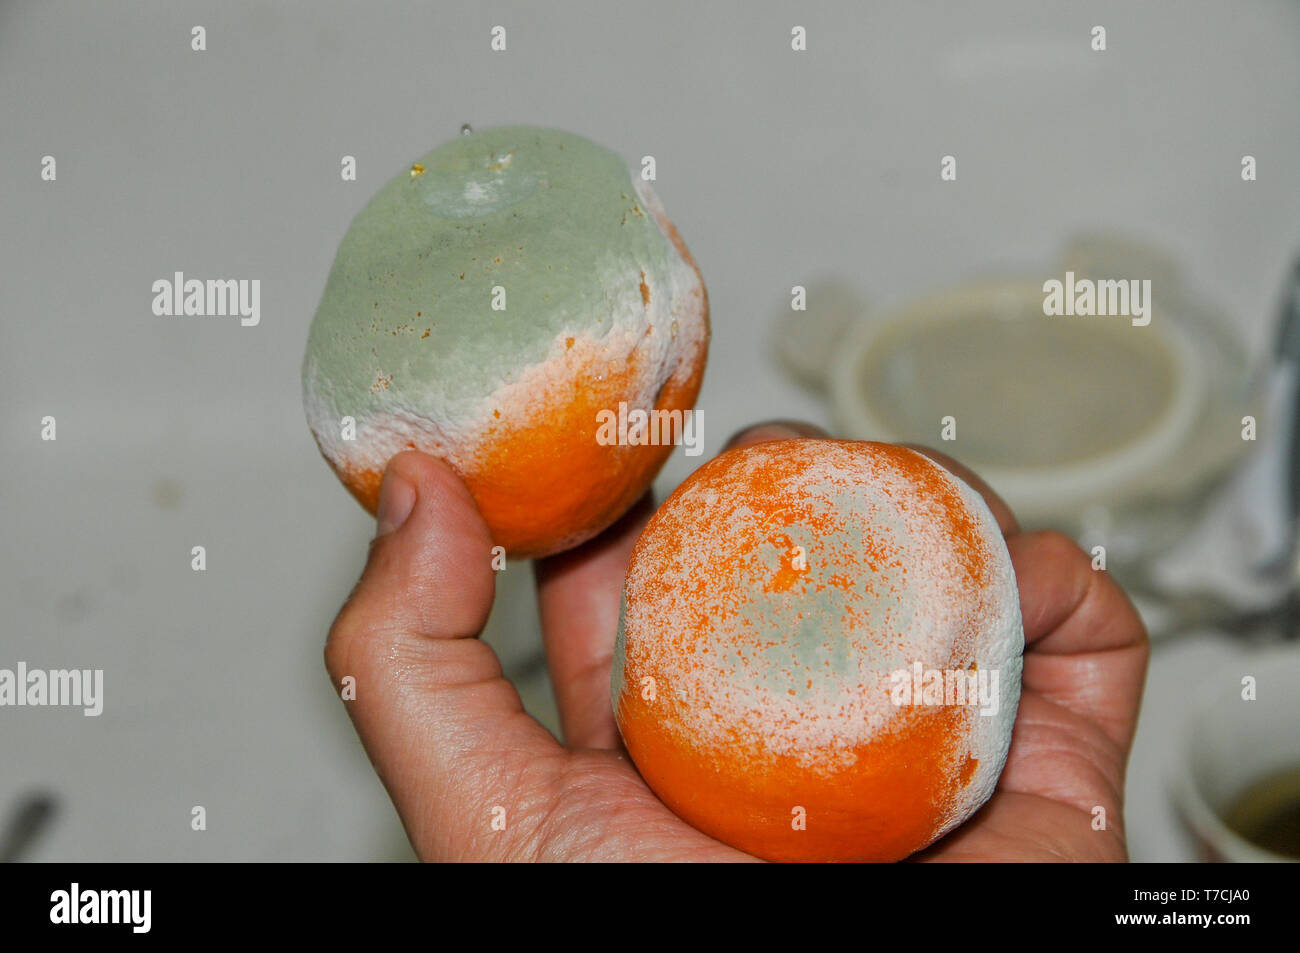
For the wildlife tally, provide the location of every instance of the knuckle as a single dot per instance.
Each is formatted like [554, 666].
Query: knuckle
[348, 631]
[1057, 544]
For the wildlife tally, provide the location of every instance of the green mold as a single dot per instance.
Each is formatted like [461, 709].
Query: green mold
[552, 218]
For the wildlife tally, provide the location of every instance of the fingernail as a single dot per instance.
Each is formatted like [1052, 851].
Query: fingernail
[396, 500]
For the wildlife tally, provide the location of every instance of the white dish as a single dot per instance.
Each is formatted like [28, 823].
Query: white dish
[1080, 423]
[1231, 742]
[1046, 409]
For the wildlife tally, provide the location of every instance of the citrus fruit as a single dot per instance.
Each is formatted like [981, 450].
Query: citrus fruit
[819, 653]
[486, 307]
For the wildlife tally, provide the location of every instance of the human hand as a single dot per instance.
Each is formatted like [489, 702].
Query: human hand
[449, 738]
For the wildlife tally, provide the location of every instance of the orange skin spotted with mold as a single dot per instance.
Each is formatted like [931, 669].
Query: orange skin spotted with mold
[547, 478]
[878, 800]
[752, 809]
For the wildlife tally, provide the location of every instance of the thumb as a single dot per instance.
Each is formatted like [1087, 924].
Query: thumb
[429, 573]
[428, 699]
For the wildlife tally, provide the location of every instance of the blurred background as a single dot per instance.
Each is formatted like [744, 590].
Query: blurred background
[817, 169]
